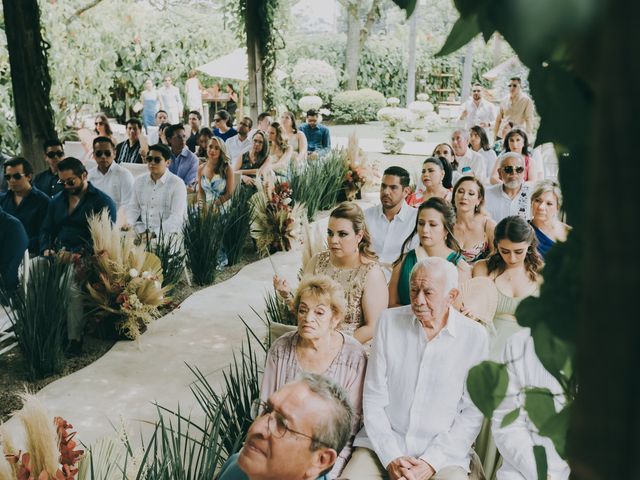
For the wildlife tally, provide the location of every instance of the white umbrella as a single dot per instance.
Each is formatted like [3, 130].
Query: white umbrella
[232, 66]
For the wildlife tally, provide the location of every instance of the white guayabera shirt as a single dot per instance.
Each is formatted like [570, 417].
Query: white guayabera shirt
[117, 183]
[515, 441]
[415, 399]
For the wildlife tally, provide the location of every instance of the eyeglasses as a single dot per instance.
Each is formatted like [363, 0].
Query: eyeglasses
[58, 154]
[276, 423]
[102, 153]
[475, 91]
[216, 120]
[243, 124]
[151, 158]
[69, 182]
[99, 123]
[14, 176]
[509, 169]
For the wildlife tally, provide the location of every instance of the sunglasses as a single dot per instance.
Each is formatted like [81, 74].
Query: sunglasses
[476, 91]
[69, 182]
[513, 85]
[99, 123]
[509, 170]
[102, 153]
[151, 158]
[14, 176]
[216, 120]
[55, 154]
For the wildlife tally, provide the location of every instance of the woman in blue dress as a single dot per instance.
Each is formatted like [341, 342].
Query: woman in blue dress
[150, 104]
[546, 202]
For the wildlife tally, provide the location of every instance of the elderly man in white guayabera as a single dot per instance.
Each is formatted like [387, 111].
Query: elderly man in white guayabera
[419, 422]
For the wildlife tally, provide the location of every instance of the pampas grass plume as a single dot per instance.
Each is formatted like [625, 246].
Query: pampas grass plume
[7, 471]
[42, 438]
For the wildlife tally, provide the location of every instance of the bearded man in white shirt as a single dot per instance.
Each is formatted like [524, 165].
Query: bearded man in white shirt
[419, 422]
[159, 199]
[391, 222]
[109, 176]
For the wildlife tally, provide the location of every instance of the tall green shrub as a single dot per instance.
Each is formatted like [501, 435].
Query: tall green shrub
[203, 234]
[356, 106]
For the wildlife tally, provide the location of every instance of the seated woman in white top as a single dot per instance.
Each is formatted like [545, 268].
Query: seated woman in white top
[296, 138]
[280, 151]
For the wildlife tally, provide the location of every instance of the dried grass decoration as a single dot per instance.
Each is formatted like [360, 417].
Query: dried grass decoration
[276, 224]
[125, 281]
[360, 172]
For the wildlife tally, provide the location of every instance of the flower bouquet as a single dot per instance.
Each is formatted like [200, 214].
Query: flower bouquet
[359, 171]
[125, 281]
[276, 222]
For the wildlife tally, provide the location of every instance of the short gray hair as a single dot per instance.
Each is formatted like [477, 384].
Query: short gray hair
[445, 267]
[506, 155]
[335, 430]
[461, 131]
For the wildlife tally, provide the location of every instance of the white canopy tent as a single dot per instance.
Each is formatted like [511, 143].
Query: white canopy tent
[232, 66]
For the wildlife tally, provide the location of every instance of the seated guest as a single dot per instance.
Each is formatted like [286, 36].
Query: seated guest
[516, 141]
[159, 199]
[254, 162]
[317, 135]
[194, 122]
[183, 163]
[240, 144]
[419, 421]
[129, 151]
[153, 131]
[295, 435]
[318, 347]
[393, 220]
[546, 201]
[113, 179]
[434, 228]
[223, 125]
[264, 120]
[435, 181]
[295, 137]
[204, 136]
[279, 149]
[162, 137]
[352, 263]
[66, 226]
[512, 196]
[26, 203]
[215, 176]
[47, 181]
[516, 440]
[473, 229]
[469, 162]
[479, 143]
[13, 243]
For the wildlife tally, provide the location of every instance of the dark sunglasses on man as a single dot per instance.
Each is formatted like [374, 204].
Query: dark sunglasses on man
[151, 158]
[102, 153]
[14, 176]
[509, 170]
[55, 154]
[69, 182]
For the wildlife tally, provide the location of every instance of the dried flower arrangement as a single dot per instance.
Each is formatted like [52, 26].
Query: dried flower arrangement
[359, 171]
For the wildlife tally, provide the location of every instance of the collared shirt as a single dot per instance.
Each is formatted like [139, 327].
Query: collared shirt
[236, 147]
[475, 162]
[185, 166]
[231, 471]
[415, 398]
[70, 231]
[47, 182]
[318, 138]
[13, 243]
[31, 212]
[388, 236]
[499, 205]
[519, 111]
[158, 204]
[126, 153]
[515, 441]
[117, 183]
[477, 114]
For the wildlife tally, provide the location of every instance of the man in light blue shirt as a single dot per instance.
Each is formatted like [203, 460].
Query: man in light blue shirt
[184, 163]
[318, 137]
[296, 434]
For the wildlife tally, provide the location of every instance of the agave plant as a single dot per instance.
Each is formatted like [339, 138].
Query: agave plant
[238, 212]
[168, 248]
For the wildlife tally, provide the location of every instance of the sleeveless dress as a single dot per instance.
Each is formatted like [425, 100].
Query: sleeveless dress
[213, 189]
[544, 242]
[295, 143]
[405, 272]
[352, 281]
[478, 251]
[149, 107]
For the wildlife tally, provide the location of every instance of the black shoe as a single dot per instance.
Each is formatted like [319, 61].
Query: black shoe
[74, 348]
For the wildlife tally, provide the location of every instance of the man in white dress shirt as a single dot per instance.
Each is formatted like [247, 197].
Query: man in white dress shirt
[478, 111]
[419, 422]
[391, 222]
[469, 162]
[516, 440]
[108, 176]
[160, 198]
[513, 195]
[240, 143]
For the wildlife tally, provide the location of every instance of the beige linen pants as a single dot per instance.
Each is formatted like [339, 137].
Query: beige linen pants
[364, 465]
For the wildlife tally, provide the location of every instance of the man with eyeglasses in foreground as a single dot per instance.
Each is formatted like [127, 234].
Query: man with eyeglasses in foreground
[47, 180]
[296, 435]
[159, 200]
[517, 108]
[512, 196]
[110, 177]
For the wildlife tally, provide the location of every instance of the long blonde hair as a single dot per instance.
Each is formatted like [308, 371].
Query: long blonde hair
[352, 212]
[224, 160]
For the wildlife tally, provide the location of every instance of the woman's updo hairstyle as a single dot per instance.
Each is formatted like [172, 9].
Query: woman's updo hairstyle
[352, 212]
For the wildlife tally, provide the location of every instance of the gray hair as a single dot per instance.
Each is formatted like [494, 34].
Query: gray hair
[504, 156]
[463, 132]
[441, 265]
[335, 430]
[547, 186]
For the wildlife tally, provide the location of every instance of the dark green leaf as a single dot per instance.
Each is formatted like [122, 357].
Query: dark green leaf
[407, 5]
[539, 405]
[487, 384]
[510, 417]
[555, 354]
[540, 455]
[464, 30]
[556, 429]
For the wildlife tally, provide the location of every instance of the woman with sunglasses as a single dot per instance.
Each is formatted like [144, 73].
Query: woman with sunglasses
[546, 201]
[434, 227]
[435, 181]
[102, 127]
[318, 346]
[223, 125]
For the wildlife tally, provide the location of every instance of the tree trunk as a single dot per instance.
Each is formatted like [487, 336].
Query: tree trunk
[353, 46]
[254, 61]
[467, 72]
[29, 78]
[411, 64]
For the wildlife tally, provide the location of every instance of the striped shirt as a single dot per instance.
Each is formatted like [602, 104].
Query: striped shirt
[126, 153]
